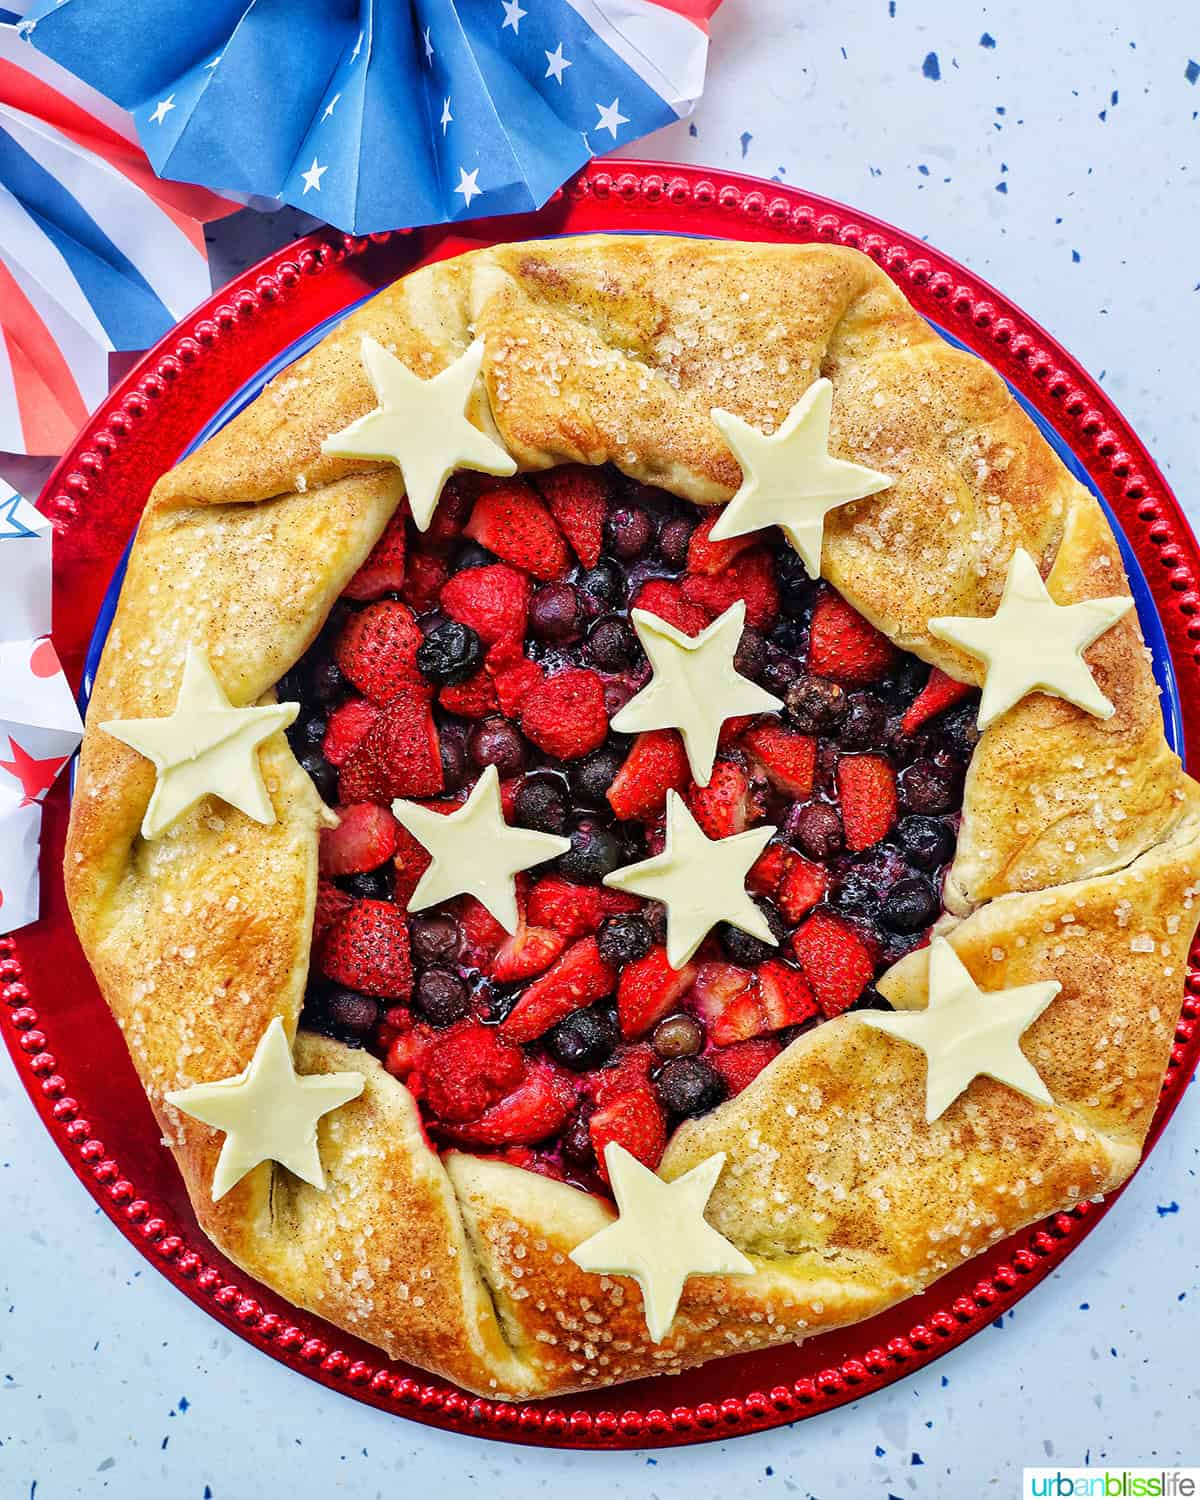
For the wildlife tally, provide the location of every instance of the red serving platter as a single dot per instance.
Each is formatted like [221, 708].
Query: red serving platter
[69, 1053]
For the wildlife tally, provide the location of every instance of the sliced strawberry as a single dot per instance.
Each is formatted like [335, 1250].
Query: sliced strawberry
[410, 863]
[565, 715]
[574, 910]
[473, 699]
[725, 806]
[482, 934]
[578, 499]
[787, 758]
[648, 989]
[844, 645]
[537, 1108]
[347, 725]
[767, 873]
[634, 1120]
[802, 886]
[630, 1069]
[938, 694]
[656, 765]
[529, 951]
[750, 577]
[513, 675]
[578, 978]
[665, 598]
[493, 601]
[612, 903]
[776, 997]
[454, 504]
[741, 1063]
[716, 987]
[867, 789]
[705, 555]
[423, 579]
[383, 570]
[509, 520]
[332, 902]
[377, 651]
[408, 1051]
[835, 961]
[469, 1068]
[366, 949]
[364, 837]
[399, 755]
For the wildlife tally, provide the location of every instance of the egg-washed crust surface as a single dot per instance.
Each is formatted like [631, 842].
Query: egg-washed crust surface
[1078, 859]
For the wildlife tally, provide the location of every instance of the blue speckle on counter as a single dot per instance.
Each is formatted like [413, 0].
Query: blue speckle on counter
[880, 1452]
[208, 1494]
[930, 66]
[891, 7]
[1085, 1307]
[1002, 187]
[769, 1471]
[923, 169]
[1076, 257]
[1192, 71]
[1163, 1209]
[916, 1460]
[945, 1381]
[692, 131]
[987, 40]
[746, 138]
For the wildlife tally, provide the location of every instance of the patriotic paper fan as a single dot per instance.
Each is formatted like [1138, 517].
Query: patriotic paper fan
[96, 254]
[384, 114]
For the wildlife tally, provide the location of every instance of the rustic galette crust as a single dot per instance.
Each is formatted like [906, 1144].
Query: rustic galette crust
[1078, 859]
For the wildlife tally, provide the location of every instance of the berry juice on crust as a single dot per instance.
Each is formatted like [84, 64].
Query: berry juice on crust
[502, 637]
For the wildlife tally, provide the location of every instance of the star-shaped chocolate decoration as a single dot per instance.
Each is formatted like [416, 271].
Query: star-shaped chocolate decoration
[965, 1031]
[661, 1236]
[475, 852]
[695, 686]
[421, 426]
[1032, 645]
[789, 479]
[205, 747]
[701, 881]
[268, 1112]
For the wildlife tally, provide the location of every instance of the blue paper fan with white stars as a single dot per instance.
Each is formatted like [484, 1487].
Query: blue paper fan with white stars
[384, 114]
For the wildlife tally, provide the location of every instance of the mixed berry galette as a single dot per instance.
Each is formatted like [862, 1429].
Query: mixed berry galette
[625, 816]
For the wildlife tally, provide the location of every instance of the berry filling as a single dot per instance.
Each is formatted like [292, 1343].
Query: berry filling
[502, 636]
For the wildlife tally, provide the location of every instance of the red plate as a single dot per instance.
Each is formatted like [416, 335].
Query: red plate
[71, 1056]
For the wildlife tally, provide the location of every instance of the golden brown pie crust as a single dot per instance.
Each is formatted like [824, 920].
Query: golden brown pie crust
[1078, 859]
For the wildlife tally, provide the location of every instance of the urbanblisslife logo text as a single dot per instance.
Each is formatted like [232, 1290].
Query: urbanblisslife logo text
[1111, 1484]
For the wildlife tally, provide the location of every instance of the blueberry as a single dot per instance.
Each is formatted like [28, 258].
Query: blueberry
[673, 541]
[441, 996]
[372, 885]
[691, 1086]
[818, 830]
[592, 776]
[856, 892]
[349, 1016]
[309, 732]
[576, 1139]
[556, 614]
[435, 938]
[926, 842]
[612, 645]
[871, 999]
[541, 803]
[741, 948]
[432, 621]
[796, 588]
[628, 532]
[594, 853]
[494, 742]
[961, 728]
[605, 583]
[680, 1035]
[450, 654]
[452, 747]
[325, 681]
[321, 773]
[909, 906]
[926, 787]
[624, 939]
[816, 705]
[472, 555]
[865, 724]
[785, 636]
[778, 675]
[750, 658]
[584, 1040]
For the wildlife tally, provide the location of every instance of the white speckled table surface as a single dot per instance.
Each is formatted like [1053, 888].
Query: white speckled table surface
[1055, 148]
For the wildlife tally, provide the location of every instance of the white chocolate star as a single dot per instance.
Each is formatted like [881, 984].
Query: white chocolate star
[421, 426]
[789, 479]
[1032, 645]
[475, 852]
[205, 746]
[268, 1112]
[661, 1237]
[695, 686]
[701, 881]
[965, 1032]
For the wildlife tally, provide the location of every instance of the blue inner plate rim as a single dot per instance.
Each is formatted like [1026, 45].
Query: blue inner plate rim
[1152, 629]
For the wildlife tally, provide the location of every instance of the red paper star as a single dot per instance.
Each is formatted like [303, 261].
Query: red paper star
[36, 776]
